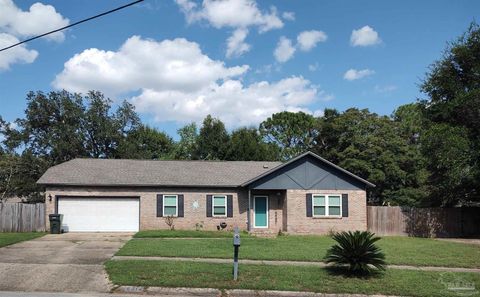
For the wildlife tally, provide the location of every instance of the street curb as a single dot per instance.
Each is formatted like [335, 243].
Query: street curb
[200, 292]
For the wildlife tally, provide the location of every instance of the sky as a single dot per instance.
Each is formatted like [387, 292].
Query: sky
[238, 60]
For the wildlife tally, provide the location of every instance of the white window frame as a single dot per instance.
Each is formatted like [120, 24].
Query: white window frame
[176, 205]
[213, 206]
[326, 215]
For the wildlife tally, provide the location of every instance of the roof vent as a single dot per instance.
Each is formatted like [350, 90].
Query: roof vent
[265, 166]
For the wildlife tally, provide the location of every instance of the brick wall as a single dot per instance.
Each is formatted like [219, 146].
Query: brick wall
[287, 211]
[298, 222]
[148, 207]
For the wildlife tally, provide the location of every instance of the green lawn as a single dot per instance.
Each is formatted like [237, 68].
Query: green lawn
[398, 250]
[289, 278]
[11, 238]
[186, 234]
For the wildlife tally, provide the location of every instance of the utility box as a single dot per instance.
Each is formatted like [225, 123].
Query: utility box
[55, 223]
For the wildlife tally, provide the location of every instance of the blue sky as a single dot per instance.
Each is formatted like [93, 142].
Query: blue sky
[172, 59]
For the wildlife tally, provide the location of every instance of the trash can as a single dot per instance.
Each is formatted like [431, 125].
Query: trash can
[55, 223]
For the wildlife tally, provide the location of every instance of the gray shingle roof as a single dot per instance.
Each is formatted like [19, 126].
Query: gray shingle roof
[115, 172]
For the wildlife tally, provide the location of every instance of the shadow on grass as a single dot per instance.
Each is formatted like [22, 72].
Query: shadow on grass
[345, 272]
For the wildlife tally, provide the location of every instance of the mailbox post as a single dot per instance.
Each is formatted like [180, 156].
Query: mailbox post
[236, 246]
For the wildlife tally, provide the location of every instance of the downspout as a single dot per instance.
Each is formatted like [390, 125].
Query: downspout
[248, 210]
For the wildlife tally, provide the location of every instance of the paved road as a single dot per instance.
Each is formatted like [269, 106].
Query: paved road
[71, 262]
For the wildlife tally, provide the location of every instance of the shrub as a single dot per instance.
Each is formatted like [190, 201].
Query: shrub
[357, 252]
[169, 220]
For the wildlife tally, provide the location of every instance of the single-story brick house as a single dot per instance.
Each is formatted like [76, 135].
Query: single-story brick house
[307, 194]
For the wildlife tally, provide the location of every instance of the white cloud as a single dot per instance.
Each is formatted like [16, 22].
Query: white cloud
[231, 13]
[175, 81]
[236, 45]
[142, 63]
[313, 67]
[288, 15]
[353, 74]
[307, 40]
[385, 89]
[40, 18]
[235, 103]
[17, 24]
[319, 113]
[284, 50]
[237, 14]
[364, 36]
[18, 54]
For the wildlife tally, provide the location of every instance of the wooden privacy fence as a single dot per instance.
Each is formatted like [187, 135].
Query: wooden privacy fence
[20, 217]
[424, 222]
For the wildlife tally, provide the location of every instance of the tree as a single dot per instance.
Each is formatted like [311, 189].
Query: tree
[246, 144]
[145, 143]
[372, 147]
[58, 127]
[293, 132]
[186, 147]
[105, 130]
[452, 112]
[448, 151]
[52, 126]
[212, 140]
[18, 176]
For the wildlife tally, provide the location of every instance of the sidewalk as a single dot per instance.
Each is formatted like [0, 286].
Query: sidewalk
[294, 263]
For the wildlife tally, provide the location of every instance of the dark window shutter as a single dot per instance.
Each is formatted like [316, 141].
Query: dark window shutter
[180, 206]
[209, 205]
[309, 205]
[344, 205]
[230, 206]
[159, 205]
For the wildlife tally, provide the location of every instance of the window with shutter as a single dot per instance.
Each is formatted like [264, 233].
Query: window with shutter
[219, 205]
[170, 205]
[326, 205]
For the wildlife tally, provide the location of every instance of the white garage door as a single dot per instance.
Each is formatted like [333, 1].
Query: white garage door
[99, 214]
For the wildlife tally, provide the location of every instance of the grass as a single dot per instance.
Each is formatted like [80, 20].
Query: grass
[285, 278]
[185, 234]
[398, 250]
[11, 238]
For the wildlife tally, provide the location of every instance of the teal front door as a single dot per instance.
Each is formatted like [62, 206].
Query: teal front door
[260, 210]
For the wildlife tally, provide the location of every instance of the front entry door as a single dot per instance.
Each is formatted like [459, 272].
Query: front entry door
[260, 210]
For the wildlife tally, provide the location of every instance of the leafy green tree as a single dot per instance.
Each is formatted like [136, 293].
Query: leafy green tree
[372, 147]
[452, 110]
[105, 130]
[449, 155]
[18, 176]
[212, 142]
[186, 147]
[293, 132]
[246, 144]
[52, 126]
[58, 127]
[145, 143]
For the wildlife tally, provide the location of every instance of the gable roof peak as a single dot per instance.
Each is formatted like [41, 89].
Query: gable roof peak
[303, 155]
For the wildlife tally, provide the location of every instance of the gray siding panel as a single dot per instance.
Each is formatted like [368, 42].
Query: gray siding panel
[305, 174]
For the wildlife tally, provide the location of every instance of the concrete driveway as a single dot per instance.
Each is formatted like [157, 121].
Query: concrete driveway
[71, 262]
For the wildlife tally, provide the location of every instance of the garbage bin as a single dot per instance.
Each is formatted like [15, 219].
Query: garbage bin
[55, 223]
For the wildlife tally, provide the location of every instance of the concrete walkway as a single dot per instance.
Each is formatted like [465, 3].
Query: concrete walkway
[474, 241]
[71, 262]
[295, 263]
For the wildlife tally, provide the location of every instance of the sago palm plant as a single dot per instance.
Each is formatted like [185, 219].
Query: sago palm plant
[357, 252]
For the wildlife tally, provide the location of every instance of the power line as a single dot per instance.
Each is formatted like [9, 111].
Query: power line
[71, 25]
